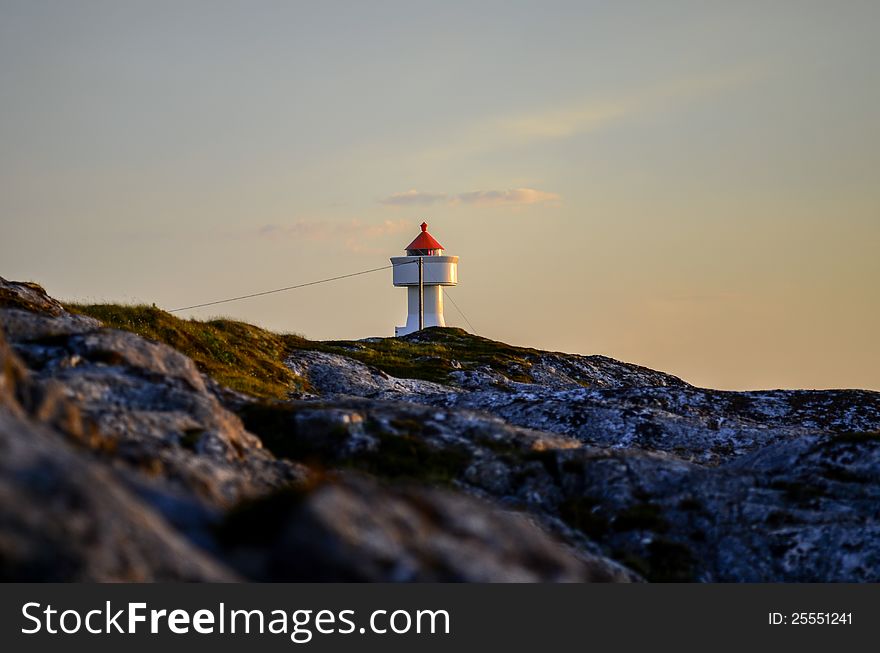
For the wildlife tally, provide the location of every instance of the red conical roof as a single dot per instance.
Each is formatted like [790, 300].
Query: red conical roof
[424, 240]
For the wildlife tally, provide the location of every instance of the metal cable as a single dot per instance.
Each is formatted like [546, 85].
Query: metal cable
[460, 312]
[269, 292]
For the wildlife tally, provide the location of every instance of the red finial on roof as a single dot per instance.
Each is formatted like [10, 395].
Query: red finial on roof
[424, 241]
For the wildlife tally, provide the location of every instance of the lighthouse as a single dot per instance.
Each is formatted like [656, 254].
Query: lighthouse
[423, 272]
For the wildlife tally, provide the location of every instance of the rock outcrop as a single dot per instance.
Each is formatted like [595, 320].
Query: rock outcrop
[355, 529]
[678, 482]
[67, 517]
[122, 460]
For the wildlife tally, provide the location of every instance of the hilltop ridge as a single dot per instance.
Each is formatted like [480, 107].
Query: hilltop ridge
[219, 450]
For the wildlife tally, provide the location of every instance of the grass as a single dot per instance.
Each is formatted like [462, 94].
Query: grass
[239, 356]
[249, 359]
[432, 354]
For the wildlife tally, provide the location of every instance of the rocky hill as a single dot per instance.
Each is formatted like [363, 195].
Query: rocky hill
[137, 446]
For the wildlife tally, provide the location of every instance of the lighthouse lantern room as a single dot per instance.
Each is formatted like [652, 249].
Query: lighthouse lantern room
[423, 272]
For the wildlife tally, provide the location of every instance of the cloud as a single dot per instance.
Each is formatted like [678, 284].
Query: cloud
[588, 115]
[559, 123]
[413, 198]
[355, 235]
[509, 197]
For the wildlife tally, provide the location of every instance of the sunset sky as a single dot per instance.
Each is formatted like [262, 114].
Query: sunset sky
[692, 186]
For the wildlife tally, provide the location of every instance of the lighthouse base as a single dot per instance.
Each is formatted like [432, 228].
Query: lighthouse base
[432, 312]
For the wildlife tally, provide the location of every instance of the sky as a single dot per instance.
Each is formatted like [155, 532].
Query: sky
[691, 186]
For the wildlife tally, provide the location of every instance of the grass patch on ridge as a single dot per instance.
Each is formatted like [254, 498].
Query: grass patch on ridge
[250, 359]
[237, 355]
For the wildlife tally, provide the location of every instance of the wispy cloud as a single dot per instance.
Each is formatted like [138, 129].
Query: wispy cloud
[589, 115]
[509, 197]
[354, 235]
[414, 198]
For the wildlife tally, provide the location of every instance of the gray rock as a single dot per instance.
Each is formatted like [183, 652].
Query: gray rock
[705, 426]
[64, 517]
[551, 467]
[681, 483]
[332, 374]
[145, 406]
[354, 529]
[29, 297]
[23, 326]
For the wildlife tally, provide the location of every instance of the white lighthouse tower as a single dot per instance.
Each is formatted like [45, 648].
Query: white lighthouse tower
[424, 271]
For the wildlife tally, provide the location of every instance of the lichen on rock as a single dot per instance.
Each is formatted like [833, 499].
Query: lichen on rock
[438, 456]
